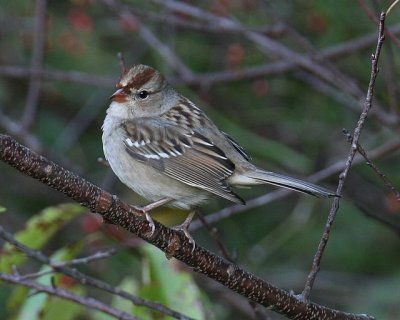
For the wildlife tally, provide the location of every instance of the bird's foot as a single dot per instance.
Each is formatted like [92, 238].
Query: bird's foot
[145, 210]
[149, 219]
[184, 227]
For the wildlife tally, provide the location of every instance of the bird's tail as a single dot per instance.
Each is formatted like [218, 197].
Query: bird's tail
[259, 176]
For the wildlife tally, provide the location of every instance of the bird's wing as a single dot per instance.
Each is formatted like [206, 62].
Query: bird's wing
[180, 153]
[237, 146]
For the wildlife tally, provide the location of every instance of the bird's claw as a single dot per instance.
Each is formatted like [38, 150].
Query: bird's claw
[150, 221]
[184, 228]
[144, 211]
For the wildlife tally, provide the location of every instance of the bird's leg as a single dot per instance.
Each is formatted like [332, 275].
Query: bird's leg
[155, 204]
[147, 208]
[185, 226]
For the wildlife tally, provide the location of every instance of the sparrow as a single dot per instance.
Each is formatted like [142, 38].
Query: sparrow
[166, 149]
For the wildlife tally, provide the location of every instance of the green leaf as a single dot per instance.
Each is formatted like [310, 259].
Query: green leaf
[38, 230]
[61, 309]
[167, 283]
[2, 209]
[16, 299]
[131, 285]
[45, 307]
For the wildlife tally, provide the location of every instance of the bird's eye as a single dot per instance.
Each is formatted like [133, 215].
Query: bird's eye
[143, 94]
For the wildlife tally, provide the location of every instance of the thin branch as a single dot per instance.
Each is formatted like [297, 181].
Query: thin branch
[275, 30]
[151, 39]
[170, 241]
[374, 167]
[85, 279]
[85, 260]
[392, 6]
[68, 295]
[36, 64]
[353, 150]
[371, 15]
[58, 75]
[76, 127]
[122, 64]
[395, 227]
[259, 312]
[16, 129]
[35, 275]
[213, 232]
[390, 78]
[389, 72]
[328, 90]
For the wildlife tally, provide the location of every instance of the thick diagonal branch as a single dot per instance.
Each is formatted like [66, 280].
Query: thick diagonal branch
[173, 243]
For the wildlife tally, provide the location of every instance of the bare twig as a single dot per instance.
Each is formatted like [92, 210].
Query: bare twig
[58, 75]
[36, 64]
[16, 129]
[171, 19]
[328, 90]
[213, 231]
[151, 39]
[85, 260]
[172, 242]
[122, 63]
[371, 15]
[395, 227]
[291, 226]
[34, 275]
[259, 312]
[369, 162]
[390, 78]
[77, 126]
[342, 177]
[68, 295]
[392, 6]
[389, 72]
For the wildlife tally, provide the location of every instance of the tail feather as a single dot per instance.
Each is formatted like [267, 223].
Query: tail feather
[260, 176]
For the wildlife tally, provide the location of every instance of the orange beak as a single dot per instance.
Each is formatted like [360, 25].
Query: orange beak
[119, 96]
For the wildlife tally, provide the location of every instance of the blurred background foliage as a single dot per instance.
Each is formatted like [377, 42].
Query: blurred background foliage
[289, 120]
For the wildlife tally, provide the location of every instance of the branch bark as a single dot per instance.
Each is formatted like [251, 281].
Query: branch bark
[173, 243]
